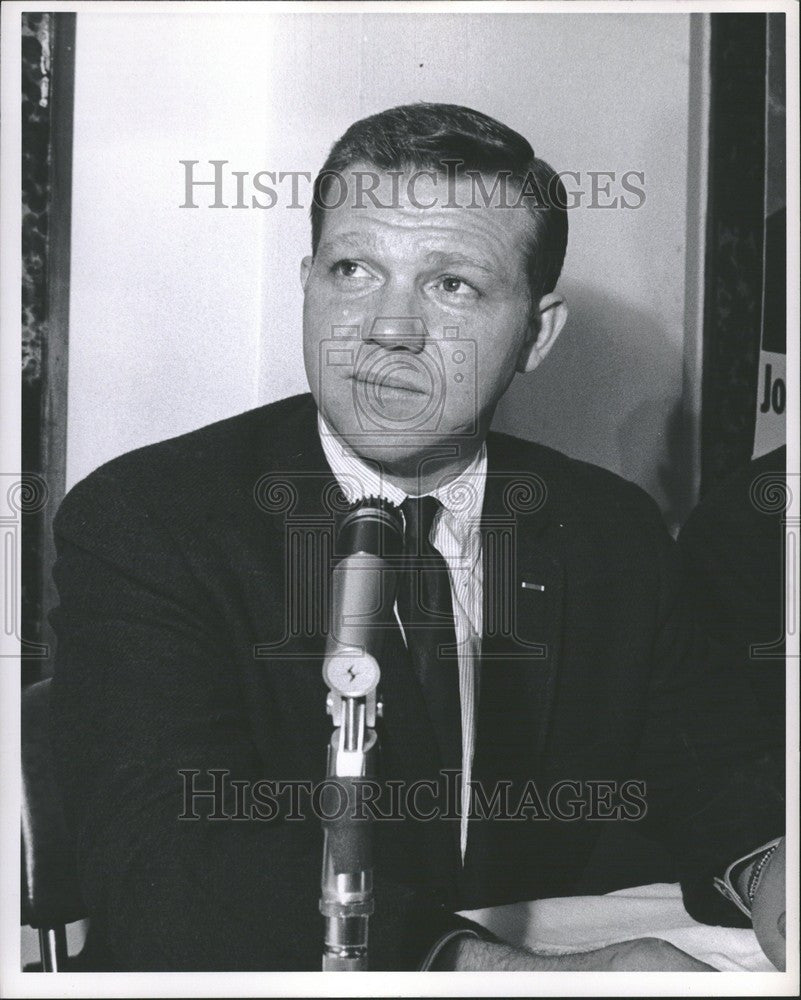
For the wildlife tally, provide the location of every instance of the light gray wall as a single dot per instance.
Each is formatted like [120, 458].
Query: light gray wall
[181, 316]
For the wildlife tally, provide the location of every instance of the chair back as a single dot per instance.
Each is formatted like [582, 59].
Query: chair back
[50, 891]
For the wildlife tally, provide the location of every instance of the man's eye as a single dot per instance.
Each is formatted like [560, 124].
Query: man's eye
[349, 269]
[456, 286]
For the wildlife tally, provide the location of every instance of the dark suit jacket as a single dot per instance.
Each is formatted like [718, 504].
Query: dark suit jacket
[732, 548]
[184, 642]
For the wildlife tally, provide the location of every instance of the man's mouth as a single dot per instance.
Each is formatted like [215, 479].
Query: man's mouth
[379, 382]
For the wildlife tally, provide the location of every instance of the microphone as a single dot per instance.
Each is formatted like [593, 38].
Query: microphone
[368, 541]
[368, 544]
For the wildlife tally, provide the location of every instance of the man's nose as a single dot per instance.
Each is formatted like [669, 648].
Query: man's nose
[394, 331]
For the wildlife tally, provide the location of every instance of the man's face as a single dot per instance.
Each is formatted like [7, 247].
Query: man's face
[414, 319]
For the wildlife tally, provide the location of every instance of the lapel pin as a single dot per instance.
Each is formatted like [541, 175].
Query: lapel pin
[532, 586]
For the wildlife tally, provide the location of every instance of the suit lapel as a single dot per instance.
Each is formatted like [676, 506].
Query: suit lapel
[523, 593]
[297, 497]
[519, 661]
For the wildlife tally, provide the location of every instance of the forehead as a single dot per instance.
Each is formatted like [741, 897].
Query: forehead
[422, 210]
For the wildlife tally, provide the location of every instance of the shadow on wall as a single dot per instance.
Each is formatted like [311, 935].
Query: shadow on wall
[580, 400]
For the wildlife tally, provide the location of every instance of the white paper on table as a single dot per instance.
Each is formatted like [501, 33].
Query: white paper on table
[580, 923]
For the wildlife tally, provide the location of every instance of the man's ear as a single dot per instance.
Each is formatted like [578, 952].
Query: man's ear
[305, 271]
[547, 321]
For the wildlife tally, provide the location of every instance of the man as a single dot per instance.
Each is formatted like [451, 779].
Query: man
[188, 641]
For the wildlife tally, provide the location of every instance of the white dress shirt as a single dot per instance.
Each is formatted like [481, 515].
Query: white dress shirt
[456, 535]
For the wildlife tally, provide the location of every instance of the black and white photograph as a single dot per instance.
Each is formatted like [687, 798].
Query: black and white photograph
[400, 498]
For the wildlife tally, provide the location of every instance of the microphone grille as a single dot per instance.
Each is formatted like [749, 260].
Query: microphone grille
[372, 524]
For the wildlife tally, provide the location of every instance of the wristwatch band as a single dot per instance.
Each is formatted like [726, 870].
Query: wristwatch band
[438, 946]
[725, 885]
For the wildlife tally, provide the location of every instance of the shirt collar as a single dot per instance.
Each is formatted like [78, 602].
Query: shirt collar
[462, 497]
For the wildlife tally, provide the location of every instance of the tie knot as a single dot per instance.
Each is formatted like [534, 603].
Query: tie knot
[419, 514]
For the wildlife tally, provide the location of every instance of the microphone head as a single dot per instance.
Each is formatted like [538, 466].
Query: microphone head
[372, 525]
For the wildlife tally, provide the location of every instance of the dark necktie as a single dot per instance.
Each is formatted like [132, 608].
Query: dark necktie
[426, 611]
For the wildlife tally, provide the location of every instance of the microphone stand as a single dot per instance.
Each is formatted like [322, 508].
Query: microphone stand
[346, 900]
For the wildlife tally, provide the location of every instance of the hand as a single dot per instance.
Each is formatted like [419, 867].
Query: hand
[640, 955]
[768, 910]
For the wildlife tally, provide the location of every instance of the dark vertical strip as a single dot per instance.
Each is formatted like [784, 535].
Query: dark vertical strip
[54, 413]
[774, 304]
[36, 36]
[734, 262]
[48, 98]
